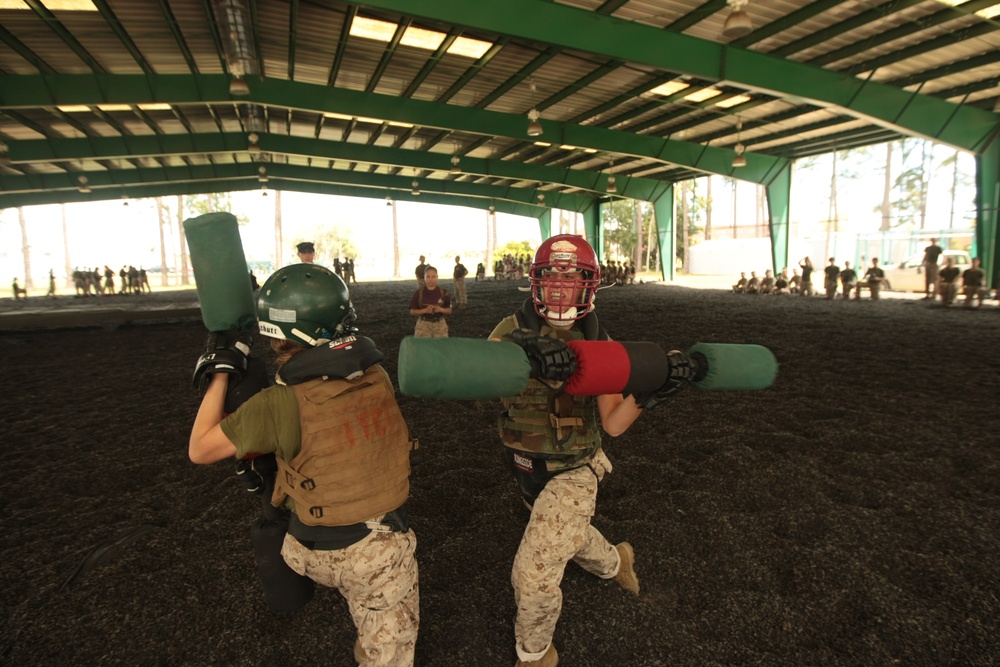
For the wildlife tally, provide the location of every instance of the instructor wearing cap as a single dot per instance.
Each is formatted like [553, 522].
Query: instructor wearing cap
[306, 252]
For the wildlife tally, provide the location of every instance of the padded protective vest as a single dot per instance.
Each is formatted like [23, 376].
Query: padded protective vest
[355, 458]
[548, 423]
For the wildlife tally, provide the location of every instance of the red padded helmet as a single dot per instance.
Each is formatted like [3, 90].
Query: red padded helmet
[563, 265]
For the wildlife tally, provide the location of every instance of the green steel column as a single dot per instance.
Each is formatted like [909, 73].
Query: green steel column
[593, 227]
[778, 196]
[663, 213]
[987, 205]
[545, 223]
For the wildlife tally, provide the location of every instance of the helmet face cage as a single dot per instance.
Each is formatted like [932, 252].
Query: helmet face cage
[305, 303]
[564, 264]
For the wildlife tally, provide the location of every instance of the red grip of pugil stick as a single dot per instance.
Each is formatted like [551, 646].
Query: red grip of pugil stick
[603, 367]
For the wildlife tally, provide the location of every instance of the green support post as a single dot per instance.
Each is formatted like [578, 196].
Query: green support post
[987, 243]
[778, 196]
[545, 223]
[593, 228]
[663, 213]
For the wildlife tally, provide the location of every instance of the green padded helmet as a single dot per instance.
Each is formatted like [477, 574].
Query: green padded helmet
[305, 303]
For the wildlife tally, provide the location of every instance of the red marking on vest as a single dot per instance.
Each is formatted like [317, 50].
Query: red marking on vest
[371, 422]
[349, 436]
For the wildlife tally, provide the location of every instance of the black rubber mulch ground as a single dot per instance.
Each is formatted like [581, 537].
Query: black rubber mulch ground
[850, 515]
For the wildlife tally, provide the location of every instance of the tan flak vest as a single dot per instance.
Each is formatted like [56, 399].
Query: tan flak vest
[355, 458]
[549, 423]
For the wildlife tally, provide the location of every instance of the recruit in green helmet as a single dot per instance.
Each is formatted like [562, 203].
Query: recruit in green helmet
[305, 303]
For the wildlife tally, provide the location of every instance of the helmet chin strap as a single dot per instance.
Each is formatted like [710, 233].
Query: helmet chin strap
[560, 317]
[309, 339]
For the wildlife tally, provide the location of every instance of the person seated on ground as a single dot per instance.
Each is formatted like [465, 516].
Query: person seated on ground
[795, 282]
[767, 283]
[781, 282]
[972, 283]
[872, 280]
[848, 280]
[948, 281]
[753, 285]
[19, 291]
[480, 272]
[741, 285]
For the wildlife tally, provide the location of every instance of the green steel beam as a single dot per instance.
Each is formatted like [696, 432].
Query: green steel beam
[595, 235]
[18, 91]
[779, 219]
[873, 14]
[592, 228]
[666, 237]
[788, 21]
[53, 24]
[959, 126]
[545, 224]
[905, 30]
[57, 150]
[22, 50]
[988, 211]
[113, 184]
[244, 184]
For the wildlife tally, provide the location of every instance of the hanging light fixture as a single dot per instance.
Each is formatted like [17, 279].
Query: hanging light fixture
[263, 190]
[125, 200]
[612, 187]
[239, 87]
[739, 160]
[541, 199]
[83, 186]
[738, 23]
[455, 169]
[262, 174]
[5, 160]
[534, 127]
[415, 188]
[253, 146]
[493, 208]
[388, 200]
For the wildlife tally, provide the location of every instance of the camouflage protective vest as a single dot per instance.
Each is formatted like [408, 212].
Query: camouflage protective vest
[355, 457]
[548, 423]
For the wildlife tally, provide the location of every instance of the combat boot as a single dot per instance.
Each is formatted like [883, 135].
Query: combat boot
[626, 576]
[550, 659]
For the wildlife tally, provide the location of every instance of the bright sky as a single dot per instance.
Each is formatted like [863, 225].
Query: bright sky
[108, 232]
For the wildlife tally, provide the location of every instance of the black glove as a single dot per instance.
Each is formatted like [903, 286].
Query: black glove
[225, 352]
[550, 358]
[682, 370]
[252, 381]
[257, 474]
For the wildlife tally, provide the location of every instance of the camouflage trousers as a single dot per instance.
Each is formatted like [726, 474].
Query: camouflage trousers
[461, 297]
[558, 531]
[378, 578]
[425, 329]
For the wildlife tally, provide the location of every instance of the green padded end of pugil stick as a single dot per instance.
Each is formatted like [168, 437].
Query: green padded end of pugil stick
[461, 368]
[735, 367]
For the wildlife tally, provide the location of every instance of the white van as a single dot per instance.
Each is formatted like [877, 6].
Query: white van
[908, 275]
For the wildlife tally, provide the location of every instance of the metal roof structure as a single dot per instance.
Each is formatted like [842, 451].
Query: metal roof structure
[105, 99]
